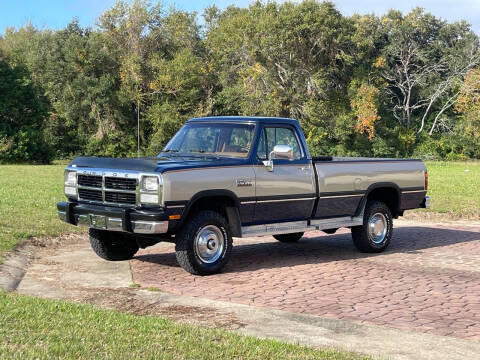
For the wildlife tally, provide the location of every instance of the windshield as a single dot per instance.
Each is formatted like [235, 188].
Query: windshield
[231, 140]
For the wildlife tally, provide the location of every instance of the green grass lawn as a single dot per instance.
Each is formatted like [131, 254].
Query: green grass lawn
[28, 195]
[455, 188]
[32, 328]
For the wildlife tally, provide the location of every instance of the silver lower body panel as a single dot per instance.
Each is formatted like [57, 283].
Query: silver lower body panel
[301, 226]
[275, 229]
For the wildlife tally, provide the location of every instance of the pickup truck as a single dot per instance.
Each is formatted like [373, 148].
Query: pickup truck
[221, 178]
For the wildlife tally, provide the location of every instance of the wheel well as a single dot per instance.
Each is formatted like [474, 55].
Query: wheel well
[216, 203]
[387, 195]
[224, 205]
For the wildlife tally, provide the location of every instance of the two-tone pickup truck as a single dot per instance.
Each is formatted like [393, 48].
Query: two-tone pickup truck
[231, 177]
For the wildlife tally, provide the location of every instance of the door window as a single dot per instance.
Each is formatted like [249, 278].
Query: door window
[272, 136]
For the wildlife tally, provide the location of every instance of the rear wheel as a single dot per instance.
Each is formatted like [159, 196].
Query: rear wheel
[112, 245]
[289, 238]
[376, 232]
[203, 245]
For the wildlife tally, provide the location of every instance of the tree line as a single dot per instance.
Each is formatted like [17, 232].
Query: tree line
[394, 85]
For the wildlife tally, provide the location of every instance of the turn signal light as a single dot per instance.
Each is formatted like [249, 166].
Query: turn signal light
[174, 217]
[426, 180]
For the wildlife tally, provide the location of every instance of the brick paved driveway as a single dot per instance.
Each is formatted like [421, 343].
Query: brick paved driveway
[428, 280]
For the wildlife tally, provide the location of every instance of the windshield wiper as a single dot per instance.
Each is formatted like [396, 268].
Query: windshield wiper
[171, 150]
[203, 152]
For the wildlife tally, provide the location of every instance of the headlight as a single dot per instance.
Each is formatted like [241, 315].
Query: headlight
[150, 190]
[70, 183]
[70, 178]
[150, 183]
[148, 199]
[70, 191]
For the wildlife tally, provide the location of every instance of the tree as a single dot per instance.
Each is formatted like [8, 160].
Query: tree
[468, 106]
[22, 112]
[426, 58]
[365, 108]
[360, 85]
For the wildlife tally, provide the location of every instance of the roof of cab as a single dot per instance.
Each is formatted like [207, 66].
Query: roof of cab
[259, 119]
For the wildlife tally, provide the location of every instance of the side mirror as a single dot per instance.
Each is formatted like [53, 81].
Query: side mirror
[282, 152]
[279, 152]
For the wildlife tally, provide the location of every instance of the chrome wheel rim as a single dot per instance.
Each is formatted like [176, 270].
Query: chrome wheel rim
[377, 228]
[209, 244]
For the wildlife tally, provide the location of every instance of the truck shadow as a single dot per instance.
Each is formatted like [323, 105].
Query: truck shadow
[322, 248]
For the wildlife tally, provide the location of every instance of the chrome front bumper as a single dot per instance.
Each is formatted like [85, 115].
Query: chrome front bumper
[113, 219]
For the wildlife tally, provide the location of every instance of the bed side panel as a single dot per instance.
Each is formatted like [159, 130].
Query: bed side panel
[342, 184]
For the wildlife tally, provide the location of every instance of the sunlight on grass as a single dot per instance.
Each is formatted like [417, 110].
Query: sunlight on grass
[32, 328]
[29, 194]
[455, 188]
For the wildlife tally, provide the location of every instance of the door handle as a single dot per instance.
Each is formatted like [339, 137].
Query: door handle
[304, 168]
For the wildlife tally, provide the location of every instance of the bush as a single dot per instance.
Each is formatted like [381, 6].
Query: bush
[26, 146]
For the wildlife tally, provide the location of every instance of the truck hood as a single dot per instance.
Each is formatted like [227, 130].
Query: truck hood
[153, 164]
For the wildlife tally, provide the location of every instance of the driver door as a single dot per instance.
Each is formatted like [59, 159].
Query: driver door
[287, 193]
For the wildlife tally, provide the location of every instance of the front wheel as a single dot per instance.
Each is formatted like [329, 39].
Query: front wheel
[203, 245]
[376, 232]
[112, 245]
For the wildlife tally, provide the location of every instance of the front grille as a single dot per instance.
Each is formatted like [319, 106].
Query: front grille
[93, 195]
[120, 183]
[120, 198]
[111, 190]
[91, 181]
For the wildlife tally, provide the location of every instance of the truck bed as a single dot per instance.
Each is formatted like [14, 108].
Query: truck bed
[344, 181]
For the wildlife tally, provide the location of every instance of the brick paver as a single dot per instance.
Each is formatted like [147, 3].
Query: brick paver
[428, 280]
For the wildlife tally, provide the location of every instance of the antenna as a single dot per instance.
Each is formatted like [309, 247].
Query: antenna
[138, 128]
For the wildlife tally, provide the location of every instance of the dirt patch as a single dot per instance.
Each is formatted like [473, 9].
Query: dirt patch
[203, 315]
[56, 242]
[128, 300]
[435, 217]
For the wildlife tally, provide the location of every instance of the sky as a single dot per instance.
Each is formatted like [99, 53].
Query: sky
[55, 14]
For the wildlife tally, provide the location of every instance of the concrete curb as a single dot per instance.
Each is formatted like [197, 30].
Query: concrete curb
[13, 268]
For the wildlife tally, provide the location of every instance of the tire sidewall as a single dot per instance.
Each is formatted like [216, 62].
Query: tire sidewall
[375, 208]
[113, 246]
[209, 218]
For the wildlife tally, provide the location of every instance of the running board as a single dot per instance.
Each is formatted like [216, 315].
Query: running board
[274, 229]
[335, 223]
[300, 226]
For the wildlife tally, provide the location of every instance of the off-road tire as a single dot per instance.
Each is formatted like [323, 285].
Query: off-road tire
[360, 234]
[112, 245]
[185, 250]
[289, 238]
